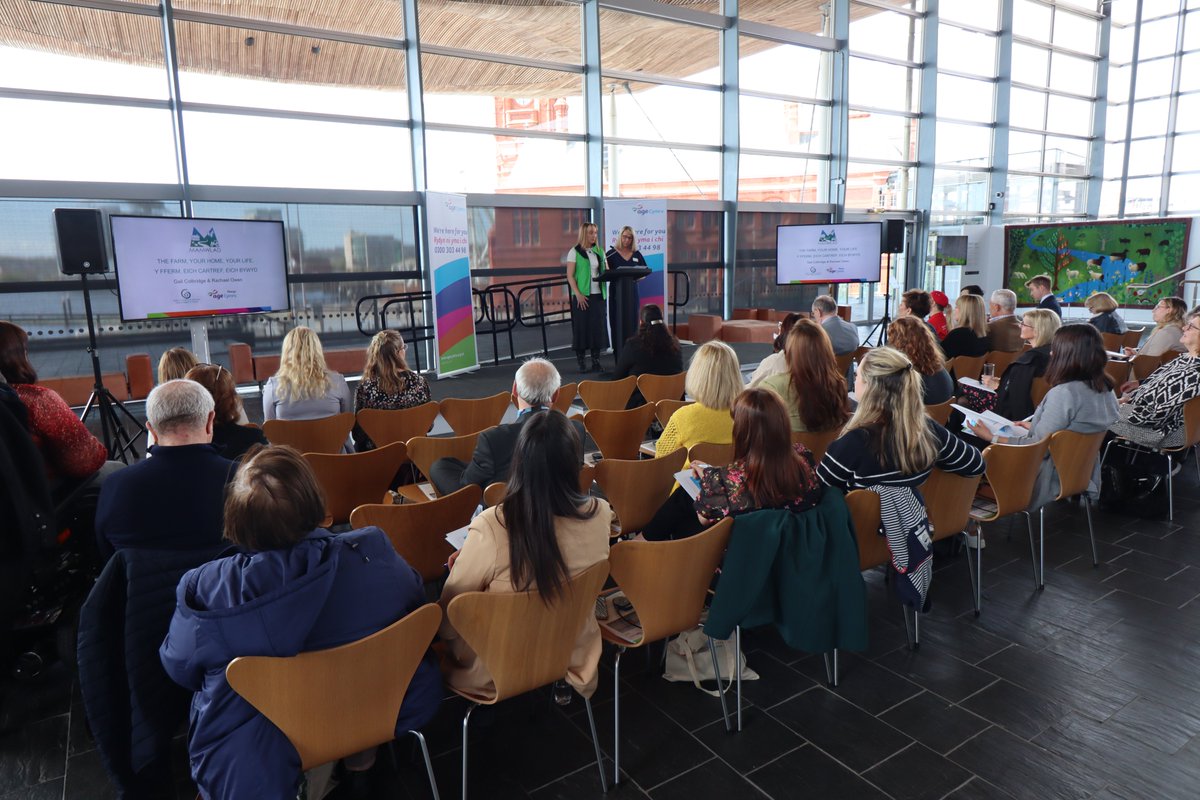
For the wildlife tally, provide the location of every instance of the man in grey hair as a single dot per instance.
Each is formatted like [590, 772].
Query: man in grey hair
[1003, 327]
[173, 500]
[842, 335]
[535, 388]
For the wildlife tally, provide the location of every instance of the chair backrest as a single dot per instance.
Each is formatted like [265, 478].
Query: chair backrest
[607, 395]
[424, 450]
[1012, 471]
[816, 441]
[940, 412]
[663, 409]
[661, 387]
[1038, 390]
[619, 434]
[865, 514]
[1142, 365]
[843, 363]
[418, 530]
[969, 366]
[566, 396]
[1132, 337]
[494, 492]
[1169, 355]
[667, 581]
[638, 488]
[323, 435]
[525, 643]
[1117, 371]
[715, 455]
[333, 703]
[385, 426]
[1113, 341]
[948, 499]
[1074, 456]
[471, 415]
[1191, 423]
[349, 481]
[861, 351]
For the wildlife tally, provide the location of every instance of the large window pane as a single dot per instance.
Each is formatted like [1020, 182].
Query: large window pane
[961, 98]
[1118, 83]
[784, 125]
[1025, 151]
[1064, 195]
[662, 113]
[790, 180]
[1189, 73]
[1109, 196]
[1158, 37]
[879, 85]
[85, 142]
[885, 33]
[882, 136]
[1069, 115]
[484, 163]
[292, 152]
[1066, 155]
[463, 91]
[1023, 194]
[375, 19]
[1186, 155]
[1187, 113]
[979, 13]
[1142, 195]
[877, 185]
[633, 43]
[549, 30]
[662, 172]
[1075, 31]
[1154, 78]
[1115, 119]
[963, 145]
[1031, 20]
[1027, 109]
[1070, 74]
[1114, 156]
[782, 68]
[1030, 64]
[967, 51]
[694, 247]
[957, 191]
[1150, 117]
[1185, 194]
[1146, 156]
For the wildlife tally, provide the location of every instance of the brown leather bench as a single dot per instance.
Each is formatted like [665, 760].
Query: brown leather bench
[76, 389]
[139, 371]
[749, 330]
[348, 361]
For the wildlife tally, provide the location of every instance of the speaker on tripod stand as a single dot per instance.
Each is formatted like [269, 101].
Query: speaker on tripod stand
[82, 252]
[891, 242]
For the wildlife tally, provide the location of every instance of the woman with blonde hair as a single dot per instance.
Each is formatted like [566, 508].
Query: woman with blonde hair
[1103, 306]
[589, 314]
[913, 337]
[175, 363]
[1168, 329]
[889, 447]
[387, 382]
[303, 387]
[812, 389]
[968, 336]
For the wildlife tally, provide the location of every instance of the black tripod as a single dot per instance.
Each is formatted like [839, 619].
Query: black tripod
[116, 438]
[880, 329]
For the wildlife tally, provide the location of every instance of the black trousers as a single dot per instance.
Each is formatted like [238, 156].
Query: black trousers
[589, 326]
[676, 519]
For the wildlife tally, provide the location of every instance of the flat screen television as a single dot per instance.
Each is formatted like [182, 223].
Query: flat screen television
[168, 267]
[848, 252]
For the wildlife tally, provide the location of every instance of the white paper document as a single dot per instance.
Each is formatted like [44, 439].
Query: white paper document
[690, 483]
[1115, 356]
[457, 538]
[998, 425]
[976, 384]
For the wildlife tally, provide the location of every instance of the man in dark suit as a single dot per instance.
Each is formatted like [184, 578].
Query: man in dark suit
[1039, 287]
[1003, 328]
[535, 390]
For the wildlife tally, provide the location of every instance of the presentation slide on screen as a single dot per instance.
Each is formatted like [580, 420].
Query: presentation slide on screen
[828, 253]
[198, 267]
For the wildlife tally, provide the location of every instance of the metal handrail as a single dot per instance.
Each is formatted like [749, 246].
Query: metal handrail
[416, 333]
[1141, 288]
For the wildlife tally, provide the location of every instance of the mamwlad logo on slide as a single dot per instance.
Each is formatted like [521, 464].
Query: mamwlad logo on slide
[829, 236]
[208, 242]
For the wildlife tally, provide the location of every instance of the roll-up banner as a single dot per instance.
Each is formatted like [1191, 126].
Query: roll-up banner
[450, 265]
[648, 218]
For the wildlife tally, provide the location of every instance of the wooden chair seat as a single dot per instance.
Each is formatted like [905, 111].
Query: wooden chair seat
[607, 395]
[323, 435]
[472, 415]
[1038, 390]
[385, 426]
[636, 489]
[619, 434]
[349, 481]
[661, 387]
[418, 530]
[1113, 341]
[425, 450]
[566, 396]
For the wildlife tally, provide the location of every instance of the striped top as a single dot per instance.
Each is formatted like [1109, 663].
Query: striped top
[850, 463]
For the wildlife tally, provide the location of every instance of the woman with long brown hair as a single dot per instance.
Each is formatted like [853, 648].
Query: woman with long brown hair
[230, 437]
[813, 389]
[387, 382]
[913, 337]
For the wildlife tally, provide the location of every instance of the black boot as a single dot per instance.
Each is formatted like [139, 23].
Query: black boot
[583, 367]
[596, 365]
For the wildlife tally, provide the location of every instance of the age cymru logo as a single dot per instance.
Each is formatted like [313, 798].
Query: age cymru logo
[207, 243]
[641, 210]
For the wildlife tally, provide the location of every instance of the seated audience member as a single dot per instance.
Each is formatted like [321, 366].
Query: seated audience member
[1012, 397]
[971, 288]
[1080, 400]
[1105, 318]
[1167, 334]
[229, 435]
[304, 388]
[175, 363]
[1151, 412]
[1003, 329]
[535, 390]
[171, 501]
[918, 342]
[1039, 287]
[968, 336]
[714, 379]
[70, 452]
[767, 471]
[544, 533]
[842, 335]
[293, 587]
[916, 303]
[937, 319]
[890, 446]
[776, 363]
[653, 350]
[812, 390]
[387, 382]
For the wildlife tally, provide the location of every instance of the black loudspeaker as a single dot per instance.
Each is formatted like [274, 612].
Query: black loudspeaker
[893, 236]
[81, 249]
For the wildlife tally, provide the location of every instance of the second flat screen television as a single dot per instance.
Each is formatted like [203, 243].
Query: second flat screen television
[168, 267]
[846, 252]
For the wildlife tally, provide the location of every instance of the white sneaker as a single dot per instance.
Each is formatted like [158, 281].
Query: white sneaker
[975, 541]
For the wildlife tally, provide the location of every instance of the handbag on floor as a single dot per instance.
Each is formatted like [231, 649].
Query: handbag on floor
[688, 659]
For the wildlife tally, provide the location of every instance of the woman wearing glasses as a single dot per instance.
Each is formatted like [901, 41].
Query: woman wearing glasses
[1151, 412]
[230, 436]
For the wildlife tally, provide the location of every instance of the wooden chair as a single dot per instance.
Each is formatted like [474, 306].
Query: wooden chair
[385, 426]
[843, 363]
[940, 412]
[337, 702]
[667, 584]
[466, 415]
[1191, 438]
[607, 395]
[861, 351]
[1117, 372]
[418, 530]
[1074, 456]
[1132, 337]
[1001, 359]
[1169, 355]
[948, 501]
[636, 489]
[619, 434]
[866, 516]
[566, 396]
[1012, 471]
[663, 409]
[1113, 341]
[352, 480]
[816, 441]
[494, 493]
[1038, 390]
[969, 366]
[661, 387]
[323, 435]
[424, 450]
[525, 643]
[1141, 366]
[715, 455]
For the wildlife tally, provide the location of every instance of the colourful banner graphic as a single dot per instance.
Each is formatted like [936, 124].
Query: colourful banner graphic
[450, 266]
[648, 218]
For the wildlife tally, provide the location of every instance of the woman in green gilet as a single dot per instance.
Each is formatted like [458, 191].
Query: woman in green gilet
[589, 308]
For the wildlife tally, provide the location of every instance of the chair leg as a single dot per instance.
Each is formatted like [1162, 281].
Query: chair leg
[1087, 508]
[737, 664]
[466, 721]
[587, 702]
[908, 634]
[1170, 489]
[1032, 549]
[428, 763]
[712, 651]
[617, 716]
[971, 572]
[831, 668]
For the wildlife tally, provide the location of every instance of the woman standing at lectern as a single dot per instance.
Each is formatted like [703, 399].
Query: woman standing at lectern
[625, 253]
[623, 306]
[589, 314]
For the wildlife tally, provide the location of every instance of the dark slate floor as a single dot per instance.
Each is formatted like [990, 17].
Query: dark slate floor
[1086, 690]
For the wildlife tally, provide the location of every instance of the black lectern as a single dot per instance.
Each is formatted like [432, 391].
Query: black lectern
[623, 303]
